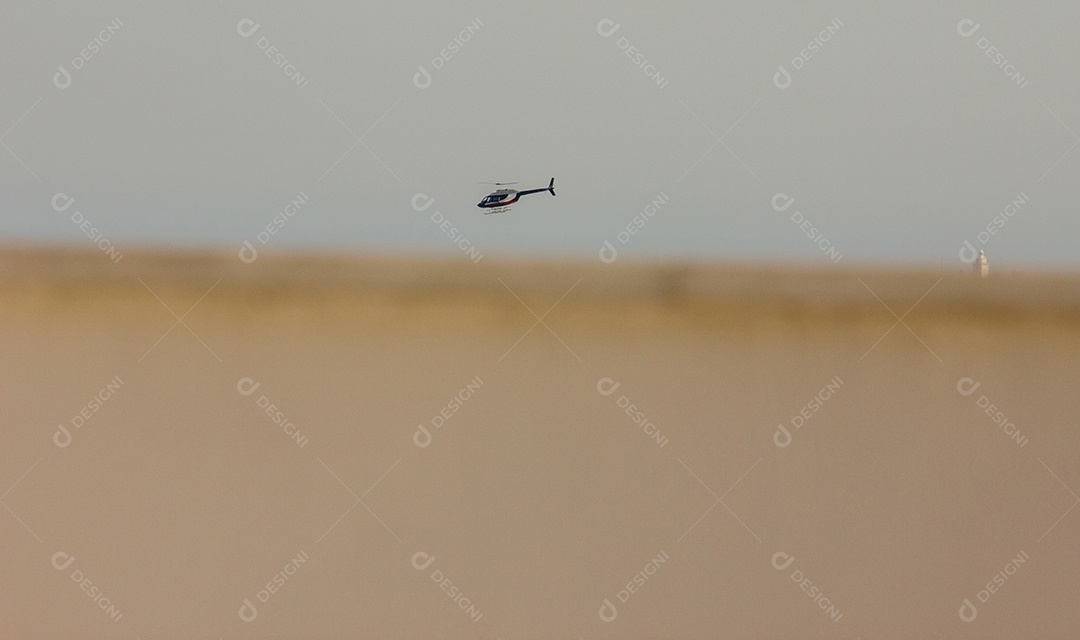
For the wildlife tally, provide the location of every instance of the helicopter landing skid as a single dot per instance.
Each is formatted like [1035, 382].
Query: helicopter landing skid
[497, 210]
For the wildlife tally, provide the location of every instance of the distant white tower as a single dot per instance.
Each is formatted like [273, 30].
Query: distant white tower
[980, 266]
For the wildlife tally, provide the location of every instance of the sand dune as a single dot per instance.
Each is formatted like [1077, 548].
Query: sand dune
[330, 446]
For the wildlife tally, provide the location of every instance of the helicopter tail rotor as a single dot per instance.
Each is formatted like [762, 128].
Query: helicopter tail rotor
[551, 186]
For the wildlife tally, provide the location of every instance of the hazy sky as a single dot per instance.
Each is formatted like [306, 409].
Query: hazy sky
[898, 136]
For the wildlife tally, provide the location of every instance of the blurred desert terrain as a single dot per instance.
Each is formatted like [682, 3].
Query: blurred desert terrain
[538, 498]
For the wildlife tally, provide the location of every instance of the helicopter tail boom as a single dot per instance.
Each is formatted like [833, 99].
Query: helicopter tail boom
[550, 188]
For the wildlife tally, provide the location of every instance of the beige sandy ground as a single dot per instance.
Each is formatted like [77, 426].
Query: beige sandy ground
[539, 498]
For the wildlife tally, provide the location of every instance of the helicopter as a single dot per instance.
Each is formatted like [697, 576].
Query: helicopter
[499, 201]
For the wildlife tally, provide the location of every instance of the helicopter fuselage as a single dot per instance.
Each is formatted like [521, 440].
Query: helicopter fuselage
[500, 198]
